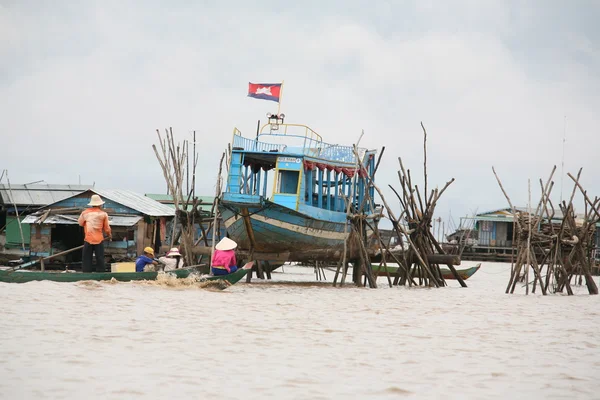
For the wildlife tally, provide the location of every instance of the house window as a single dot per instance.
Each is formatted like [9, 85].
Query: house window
[287, 182]
[509, 230]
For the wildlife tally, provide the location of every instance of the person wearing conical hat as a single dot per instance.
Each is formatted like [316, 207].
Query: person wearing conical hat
[95, 225]
[223, 261]
[173, 260]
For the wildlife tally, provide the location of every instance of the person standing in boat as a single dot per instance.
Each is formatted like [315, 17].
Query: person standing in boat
[146, 262]
[173, 260]
[95, 225]
[223, 260]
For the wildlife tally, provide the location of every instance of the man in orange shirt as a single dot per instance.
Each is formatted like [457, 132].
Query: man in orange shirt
[95, 224]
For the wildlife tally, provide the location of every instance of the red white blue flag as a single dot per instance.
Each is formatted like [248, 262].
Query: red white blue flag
[265, 91]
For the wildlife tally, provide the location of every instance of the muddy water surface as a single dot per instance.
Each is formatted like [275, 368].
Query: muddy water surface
[291, 340]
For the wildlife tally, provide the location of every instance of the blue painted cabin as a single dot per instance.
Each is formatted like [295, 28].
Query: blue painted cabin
[287, 189]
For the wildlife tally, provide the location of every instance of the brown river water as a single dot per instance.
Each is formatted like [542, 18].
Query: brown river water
[293, 338]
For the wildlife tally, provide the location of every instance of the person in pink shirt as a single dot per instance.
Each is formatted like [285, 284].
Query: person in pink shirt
[223, 260]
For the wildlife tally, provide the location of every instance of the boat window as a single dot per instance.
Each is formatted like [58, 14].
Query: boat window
[287, 182]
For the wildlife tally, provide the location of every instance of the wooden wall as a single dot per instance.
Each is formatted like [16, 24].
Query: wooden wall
[40, 240]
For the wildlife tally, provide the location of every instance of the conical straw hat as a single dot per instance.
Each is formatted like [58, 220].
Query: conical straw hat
[226, 244]
[95, 200]
[173, 252]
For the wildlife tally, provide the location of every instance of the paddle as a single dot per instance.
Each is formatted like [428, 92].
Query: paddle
[27, 264]
[30, 263]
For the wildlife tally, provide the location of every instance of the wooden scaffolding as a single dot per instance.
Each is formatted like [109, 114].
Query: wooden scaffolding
[559, 245]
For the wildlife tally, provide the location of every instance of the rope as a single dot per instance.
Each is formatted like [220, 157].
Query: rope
[494, 273]
[250, 214]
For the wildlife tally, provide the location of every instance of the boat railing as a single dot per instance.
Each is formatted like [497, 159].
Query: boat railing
[341, 153]
[292, 130]
[242, 143]
[309, 143]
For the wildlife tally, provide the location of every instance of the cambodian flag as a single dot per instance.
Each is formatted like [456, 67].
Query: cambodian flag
[265, 91]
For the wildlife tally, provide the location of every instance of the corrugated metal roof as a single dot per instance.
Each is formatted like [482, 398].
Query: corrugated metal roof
[206, 202]
[495, 218]
[509, 218]
[121, 220]
[501, 210]
[508, 212]
[166, 198]
[116, 220]
[137, 201]
[39, 195]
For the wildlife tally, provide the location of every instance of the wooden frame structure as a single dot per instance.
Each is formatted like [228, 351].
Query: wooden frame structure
[561, 247]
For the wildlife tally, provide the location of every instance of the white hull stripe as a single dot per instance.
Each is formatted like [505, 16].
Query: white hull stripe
[228, 222]
[319, 233]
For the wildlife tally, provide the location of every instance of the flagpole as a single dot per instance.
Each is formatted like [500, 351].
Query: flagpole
[280, 96]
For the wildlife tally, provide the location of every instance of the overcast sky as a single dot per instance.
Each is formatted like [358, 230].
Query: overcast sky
[83, 87]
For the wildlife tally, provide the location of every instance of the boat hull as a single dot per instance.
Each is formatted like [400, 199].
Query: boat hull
[277, 229]
[446, 273]
[27, 276]
[463, 273]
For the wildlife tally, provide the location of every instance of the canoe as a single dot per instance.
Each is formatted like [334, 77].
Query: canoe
[20, 276]
[465, 273]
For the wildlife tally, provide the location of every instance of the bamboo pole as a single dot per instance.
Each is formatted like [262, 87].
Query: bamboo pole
[16, 211]
[592, 205]
[348, 205]
[424, 156]
[528, 239]
[410, 242]
[216, 207]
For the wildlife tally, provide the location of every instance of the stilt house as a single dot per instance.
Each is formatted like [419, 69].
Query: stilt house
[24, 199]
[136, 221]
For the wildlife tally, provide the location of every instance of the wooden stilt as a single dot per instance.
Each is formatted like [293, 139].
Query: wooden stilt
[267, 268]
[563, 250]
[259, 270]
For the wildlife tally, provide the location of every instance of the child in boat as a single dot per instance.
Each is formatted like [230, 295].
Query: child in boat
[173, 260]
[223, 261]
[145, 262]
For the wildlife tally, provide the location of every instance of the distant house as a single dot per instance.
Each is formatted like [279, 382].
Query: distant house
[463, 237]
[136, 221]
[205, 206]
[26, 199]
[495, 228]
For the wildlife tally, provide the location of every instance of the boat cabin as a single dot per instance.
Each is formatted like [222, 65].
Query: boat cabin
[291, 165]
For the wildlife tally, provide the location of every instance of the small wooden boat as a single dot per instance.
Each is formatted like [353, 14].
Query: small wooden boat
[21, 276]
[446, 273]
[464, 273]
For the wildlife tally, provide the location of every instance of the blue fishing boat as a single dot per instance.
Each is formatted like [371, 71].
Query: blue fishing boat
[287, 189]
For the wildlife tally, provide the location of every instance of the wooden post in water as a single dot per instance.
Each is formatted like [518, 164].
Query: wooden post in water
[413, 226]
[565, 249]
